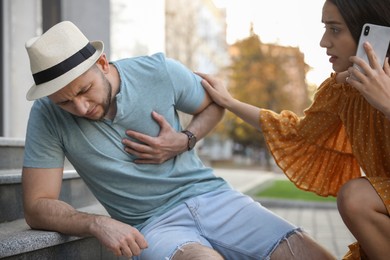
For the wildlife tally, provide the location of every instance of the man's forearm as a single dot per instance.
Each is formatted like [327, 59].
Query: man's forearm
[205, 121]
[56, 215]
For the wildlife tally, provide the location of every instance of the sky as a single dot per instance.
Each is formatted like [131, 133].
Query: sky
[284, 22]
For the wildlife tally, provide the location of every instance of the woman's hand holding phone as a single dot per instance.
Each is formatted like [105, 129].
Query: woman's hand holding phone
[372, 80]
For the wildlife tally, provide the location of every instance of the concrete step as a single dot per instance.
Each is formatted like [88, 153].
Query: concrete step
[11, 153]
[18, 241]
[73, 191]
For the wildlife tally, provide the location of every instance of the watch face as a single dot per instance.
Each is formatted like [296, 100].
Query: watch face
[191, 139]
[191, 142]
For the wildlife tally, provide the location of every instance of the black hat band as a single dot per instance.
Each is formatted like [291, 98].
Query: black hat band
[64, 66]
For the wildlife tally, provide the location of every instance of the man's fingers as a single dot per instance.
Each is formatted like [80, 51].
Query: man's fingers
[146, 154]
[141, 242]
[135, 146]
[386, 67]
[146, 140]
[137, 246]
[126, 251]
[160, 120]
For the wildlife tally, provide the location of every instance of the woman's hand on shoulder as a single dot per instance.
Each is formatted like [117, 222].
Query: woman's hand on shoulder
[217, 90]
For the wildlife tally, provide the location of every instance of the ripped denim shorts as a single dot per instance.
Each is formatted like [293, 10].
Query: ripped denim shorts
[226, 220]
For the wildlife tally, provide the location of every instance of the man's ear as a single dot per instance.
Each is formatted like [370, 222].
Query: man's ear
[102, 63]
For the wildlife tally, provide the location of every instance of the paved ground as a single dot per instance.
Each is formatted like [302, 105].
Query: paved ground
[321, 220]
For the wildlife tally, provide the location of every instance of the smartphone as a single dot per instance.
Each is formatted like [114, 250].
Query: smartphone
[379, 38]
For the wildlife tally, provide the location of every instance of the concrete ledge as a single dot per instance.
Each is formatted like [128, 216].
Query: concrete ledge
[11, 153]
[73, 191]
[31, 240]
[12, 176]
[17, 238]
[80, 249]
[6, 141]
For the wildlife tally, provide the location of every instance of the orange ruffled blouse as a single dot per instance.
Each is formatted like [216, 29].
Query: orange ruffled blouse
[339, 135]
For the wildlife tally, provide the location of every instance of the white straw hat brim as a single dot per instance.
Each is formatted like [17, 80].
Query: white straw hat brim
[52, 86]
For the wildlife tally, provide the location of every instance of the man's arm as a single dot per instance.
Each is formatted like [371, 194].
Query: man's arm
[206, 118]
[43, 210]
[219, 93]
[170, 143]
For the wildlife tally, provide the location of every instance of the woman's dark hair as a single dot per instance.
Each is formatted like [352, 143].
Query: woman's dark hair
[358, 12]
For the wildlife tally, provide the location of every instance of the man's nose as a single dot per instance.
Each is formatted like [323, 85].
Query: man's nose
[81, 105]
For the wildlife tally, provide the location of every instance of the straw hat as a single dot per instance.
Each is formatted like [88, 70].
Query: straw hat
[58, 57]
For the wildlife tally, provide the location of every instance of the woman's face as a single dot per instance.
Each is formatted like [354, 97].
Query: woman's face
[337, 38]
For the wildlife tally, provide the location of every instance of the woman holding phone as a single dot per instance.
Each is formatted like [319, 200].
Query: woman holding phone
[341, 147]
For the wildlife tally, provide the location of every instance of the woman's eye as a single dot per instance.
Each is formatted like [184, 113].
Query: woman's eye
[335, 30]
[332, 29]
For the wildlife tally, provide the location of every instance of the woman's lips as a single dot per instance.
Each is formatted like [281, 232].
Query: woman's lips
[332, 59]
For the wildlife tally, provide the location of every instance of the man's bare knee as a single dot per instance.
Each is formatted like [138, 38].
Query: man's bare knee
[195, 251]
[300, 246]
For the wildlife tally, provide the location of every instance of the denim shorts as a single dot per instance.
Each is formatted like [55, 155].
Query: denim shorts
[225, 220]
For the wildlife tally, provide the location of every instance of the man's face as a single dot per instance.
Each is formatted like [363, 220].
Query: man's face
[87, 96]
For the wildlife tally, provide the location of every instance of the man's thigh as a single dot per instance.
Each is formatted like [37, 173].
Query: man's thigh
[169, 233]
[238, 227]
[231, 223]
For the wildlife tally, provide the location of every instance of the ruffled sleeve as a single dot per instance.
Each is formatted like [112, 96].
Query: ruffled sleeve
[313, 151]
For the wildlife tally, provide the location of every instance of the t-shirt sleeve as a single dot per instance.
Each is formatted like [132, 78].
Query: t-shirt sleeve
[43, 148]
[189, 92]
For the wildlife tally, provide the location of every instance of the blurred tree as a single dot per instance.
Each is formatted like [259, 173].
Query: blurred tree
[255, 78]
[259, 76]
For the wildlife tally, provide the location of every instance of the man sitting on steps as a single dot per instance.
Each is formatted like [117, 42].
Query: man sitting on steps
[169, 206]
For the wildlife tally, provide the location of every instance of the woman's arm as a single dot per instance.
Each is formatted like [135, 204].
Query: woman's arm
[222, 97]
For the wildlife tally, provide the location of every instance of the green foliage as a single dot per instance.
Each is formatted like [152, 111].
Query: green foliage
[281, 189]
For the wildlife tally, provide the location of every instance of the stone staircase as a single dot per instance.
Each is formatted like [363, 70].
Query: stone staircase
[17, 240]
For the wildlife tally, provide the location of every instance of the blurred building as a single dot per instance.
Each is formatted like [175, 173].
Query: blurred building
[196, 34]
[127, 27]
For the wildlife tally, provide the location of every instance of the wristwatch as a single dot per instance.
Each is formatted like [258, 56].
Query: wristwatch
[191, 139]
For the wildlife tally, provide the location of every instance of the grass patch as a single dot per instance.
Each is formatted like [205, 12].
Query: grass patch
[281, 189]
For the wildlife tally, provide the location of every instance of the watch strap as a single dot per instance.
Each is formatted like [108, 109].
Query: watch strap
[191, 139]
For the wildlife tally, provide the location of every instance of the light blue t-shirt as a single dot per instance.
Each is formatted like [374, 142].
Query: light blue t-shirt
[132, 193]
